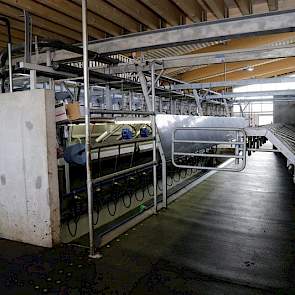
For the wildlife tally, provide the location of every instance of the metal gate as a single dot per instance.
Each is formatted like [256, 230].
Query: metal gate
[238, 141]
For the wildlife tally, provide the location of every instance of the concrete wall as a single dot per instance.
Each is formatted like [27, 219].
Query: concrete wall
[29, 200]
[284, 112]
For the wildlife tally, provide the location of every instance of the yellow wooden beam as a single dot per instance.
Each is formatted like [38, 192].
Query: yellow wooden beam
[112, 14]
[191, 8]
[95, 22]
[43, 11]
[166, 9]
[216, 7]
[138, 11]
[273, 5]
[41, 27]
[263, 70]
[206, 72]
[245, 6]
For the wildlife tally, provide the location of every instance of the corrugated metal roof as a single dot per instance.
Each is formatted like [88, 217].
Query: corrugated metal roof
[177, 50]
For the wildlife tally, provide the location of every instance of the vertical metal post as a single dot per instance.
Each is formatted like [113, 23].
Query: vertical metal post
[10, 67]
[87, 129]
[237, 150]
[130, 100]
[108, 98]
[198, 102]
[28, 37]
[33, 79]
[164, 174]
[142, 80]
[153, 120]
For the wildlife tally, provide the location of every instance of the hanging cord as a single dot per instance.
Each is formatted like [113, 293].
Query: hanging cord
[126, 193]
[113, 199]
[141, 188]
[76, 213]
[97, 205]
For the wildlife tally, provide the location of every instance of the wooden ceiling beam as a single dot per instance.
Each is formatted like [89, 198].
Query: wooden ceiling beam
[36, 8]
[4, 37]
[191, 8]
[264, 70]
[16, 34]
[273, 5]
[113, 14]
[18, 25]
[138, 11]
[166, 9]
[250, 42]
[3, 44]
[96, 24]
[245, 6]
[206, 72]
[218, 8]
[41, 25]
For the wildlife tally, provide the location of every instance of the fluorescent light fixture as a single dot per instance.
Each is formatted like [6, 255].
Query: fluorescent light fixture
[250, 68]
[131, 120]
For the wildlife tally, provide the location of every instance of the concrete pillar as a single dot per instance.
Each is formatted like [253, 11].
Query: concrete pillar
[29, 198]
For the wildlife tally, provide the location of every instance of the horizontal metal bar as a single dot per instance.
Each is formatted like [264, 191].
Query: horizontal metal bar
[208, 155]
[99, 111]
[231, 83]
[122, 142]
[43, 69]
[259, 24]
[239, 169]
[109, 176]
[209, 128]
[252, 94]
[263, 150]
[209, 141]
[204, 59]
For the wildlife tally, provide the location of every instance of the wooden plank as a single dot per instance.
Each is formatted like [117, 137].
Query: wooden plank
[4, 37]
[38, 9]
[75, 11]
[41, 25]
[16, 34]
[138, 11]
[18, 25]
[245, 6]
[273, 5]
[216, 7]
[191, 8]
[167, 10]
[217, 70]
[269, 69]
[112, 14]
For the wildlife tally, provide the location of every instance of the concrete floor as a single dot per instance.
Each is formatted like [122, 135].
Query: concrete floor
[233, 234]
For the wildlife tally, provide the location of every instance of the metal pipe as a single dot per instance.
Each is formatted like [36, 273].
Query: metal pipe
[208, 155]
[9, 51]
[10, 67]
[132, 169]
[164, 173]
[99, 111]
[153, 120]
[263, 150]
[87, 129]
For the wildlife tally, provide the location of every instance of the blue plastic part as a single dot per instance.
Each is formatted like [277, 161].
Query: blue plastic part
[144, 132]
[126, 133]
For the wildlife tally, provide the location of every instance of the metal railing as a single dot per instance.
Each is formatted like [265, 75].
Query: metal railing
[240, 148]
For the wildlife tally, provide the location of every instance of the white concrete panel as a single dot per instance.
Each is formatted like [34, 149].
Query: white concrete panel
[29, 206]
